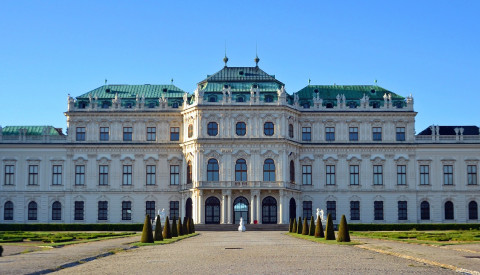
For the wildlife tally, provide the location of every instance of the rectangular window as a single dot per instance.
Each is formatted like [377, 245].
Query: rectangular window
[80, 135]
[150, 209]
[79, 174]
[104, 133]
[127, 175]
[126, 210]
[472, 174]
[306, 133]
[330, 134]
[307, 209]
[400, 133]
[151, 133]
[377, 175]
[103, 175]
[174, 174]
[377, 133]
[424, 174]
[353, 133]
[33, 175]
[56, 175]
[127, 133]
[401, 174]
[9, 174]
[402, 210]
[354, 210]
[174, 210]
[307, 174]
[448, 174]
[174, 133]
[8, 211]
[354, 175]
[330, 173]
[332, 209]
[378, 210]
[151, 171]
[103, 210]
[79, 210]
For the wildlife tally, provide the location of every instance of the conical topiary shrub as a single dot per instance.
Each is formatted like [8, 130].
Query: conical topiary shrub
[343, 235]
[1, 250]
[174, 228]
[305, 227]
[158, 230]
[185, 229]
[147, 234]
[167, 234]
[311, 231]
[294, 226]
[330, 232]
[319, 229]
[299, 226]
[179, 227]
[290, 226]
[193, 226]
[189, 226]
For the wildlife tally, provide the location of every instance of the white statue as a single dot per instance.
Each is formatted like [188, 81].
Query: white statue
[320, 214]
[241, 227]
[162, 216]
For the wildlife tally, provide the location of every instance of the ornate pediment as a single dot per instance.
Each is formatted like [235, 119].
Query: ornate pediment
[240, 154]
[213, 154]
[269, 154]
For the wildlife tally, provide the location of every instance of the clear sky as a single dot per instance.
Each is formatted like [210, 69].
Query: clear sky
[49, 49]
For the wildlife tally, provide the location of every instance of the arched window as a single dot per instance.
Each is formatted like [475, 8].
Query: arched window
[8, 211]
[449, 210]
[473, 210]
[268, 98]
[292, 172]
[189, 172]
[241, 170]
[268, 129]
[425, 210]
[190, 130]
[212, 170]
[56, 211]
[269, 170]
[212, 128]
[241, 129]
[290, 130]
[32, 211]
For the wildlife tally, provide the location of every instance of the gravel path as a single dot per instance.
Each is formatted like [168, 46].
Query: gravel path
[251, 253]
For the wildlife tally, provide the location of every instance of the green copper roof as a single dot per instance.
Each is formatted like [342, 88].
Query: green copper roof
[241, 86]
[32, 130]
[241, 74]
[131, 91]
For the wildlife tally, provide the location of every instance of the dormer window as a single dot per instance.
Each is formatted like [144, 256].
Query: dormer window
[241, 73]
[240, 99]
[105, 105]
[151, 105]
[372, 91]
[306, 105]
[225, 86]
[212, 99]
[254, 86]
[81, 105]
[329, 105]
[352, 105]
[175, 105]
[164, 90]
[398, 104]
[268, 98]
[316, 91]
[375, 105]
[128, 105]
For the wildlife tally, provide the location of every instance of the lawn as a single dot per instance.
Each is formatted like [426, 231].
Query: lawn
[57, 238]
[320, 240]
[426, 237]
[166, 241]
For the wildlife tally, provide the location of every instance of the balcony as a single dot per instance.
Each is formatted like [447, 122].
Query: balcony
[272, 185]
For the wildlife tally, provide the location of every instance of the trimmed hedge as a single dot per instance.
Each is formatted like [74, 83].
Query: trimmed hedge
[329, 232]
[343, 234]
[1, 250]
[147, 233]
[71, 227]
[412, 226]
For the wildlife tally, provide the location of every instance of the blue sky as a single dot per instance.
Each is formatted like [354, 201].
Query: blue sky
[50, 49]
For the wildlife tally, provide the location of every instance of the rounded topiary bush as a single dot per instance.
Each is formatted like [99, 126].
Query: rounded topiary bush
[179, 227]
[174, 228]
[311, 231]
[330, 232]
[158, 230]
[299, 226]
[294, 226]
[319, 229]
[167, 233]
[147, 234]
[305, 227]
[343, 234]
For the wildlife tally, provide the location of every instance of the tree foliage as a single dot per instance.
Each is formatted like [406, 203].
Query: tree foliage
[147, 234]
[343, 234]
[330, 232]
[158, 230]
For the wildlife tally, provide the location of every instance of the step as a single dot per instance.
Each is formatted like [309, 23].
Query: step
[234, 227]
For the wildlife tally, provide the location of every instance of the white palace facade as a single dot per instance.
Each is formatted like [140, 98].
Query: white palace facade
[239, 146]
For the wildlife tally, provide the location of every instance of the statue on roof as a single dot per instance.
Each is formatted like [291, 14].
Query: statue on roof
[295, 99]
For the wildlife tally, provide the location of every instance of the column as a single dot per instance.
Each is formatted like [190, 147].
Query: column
[252, 207]
[259, 217]
[281, 208]
[229, 207]
[200, 207]
[223, 212]
[182, 206]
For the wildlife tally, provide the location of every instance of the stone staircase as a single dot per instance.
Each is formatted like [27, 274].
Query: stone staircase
[248, 227]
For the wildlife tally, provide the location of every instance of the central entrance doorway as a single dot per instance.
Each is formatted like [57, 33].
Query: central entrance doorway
[293, 209]
[212, 211]
[269, 210]
[240, 210]
[188, 208]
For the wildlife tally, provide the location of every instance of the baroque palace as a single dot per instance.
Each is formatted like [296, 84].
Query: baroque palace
[239, 146]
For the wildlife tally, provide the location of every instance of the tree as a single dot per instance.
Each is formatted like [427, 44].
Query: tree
[290, 226]
[167, 234]
[294, 226]
[311, 231]
[158, 230]
[305, 227]
[299, 226]
[343, 234]
[147, 234]
[319, 229]
[179, 227]
[174, 228]
[330, 232]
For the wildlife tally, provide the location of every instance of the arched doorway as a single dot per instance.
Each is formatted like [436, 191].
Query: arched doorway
[188, 208]
[240, 210]
[293, 209]
[212, 211]
[269, 210]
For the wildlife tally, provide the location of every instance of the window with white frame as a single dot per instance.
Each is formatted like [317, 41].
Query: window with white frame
[57, 175]
[103, 175]
[174, 174]
[401, 174]
[307, 174]
[33, 175]
[80, 133]
[79, 210]
[150, 209]
[353, 133]
[127, 133]
[103, 210]
[400, 134]
[330, 174]
[79, 174]
[354, 175]
[378, 210]
[472, 174]
[354, 210]
[306, 133]
[126, 210]
[448, 174]
[377, 133]
[332, 209]
[151, 173]
[402, 210]
[9, 175]
[424, 175]
[377, 175]
[151, 133]
[330, 133]
[174, 210]
[127, 175]
[104, 133]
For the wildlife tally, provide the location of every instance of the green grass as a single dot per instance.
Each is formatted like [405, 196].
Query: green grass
[166, 241]
[320, 240]
[425, 237]
[57, 238]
